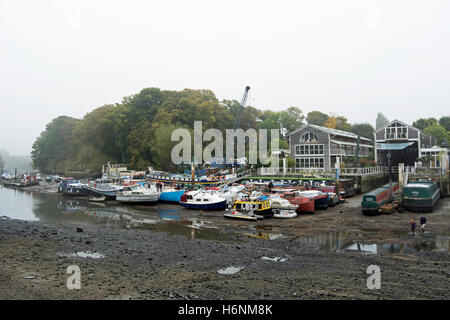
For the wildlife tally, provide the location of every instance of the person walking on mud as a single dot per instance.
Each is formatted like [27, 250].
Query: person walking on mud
[423, 221]
[413, 225]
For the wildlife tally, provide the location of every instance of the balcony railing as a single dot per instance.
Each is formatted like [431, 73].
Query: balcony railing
[320, 171]
[343, 152]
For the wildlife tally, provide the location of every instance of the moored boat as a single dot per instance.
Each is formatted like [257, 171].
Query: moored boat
[72, 187]
[108, 190]
[420, 196]
[137, 194]
[170, 195]
[284, 214]
[203, 200]
[304, 204]
[374, 200]
[259, 207]
[331, 191]
[321, 200]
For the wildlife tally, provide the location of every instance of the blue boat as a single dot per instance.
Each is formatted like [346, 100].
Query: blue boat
[171, 195]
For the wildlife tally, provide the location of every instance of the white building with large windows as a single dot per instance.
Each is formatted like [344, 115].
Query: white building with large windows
[402, 142]
[320, 147]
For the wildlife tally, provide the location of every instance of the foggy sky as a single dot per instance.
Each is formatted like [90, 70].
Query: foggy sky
[350, 57]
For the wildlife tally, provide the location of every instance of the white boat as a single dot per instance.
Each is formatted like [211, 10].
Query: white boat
[277, 202]
[284, 214]
[138, 194]
[203, 200]
[231, 193]
[104, 189]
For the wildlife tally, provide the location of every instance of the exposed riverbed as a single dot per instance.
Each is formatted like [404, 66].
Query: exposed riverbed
[167, 252]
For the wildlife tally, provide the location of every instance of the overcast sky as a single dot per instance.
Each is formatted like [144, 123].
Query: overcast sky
[353, 58]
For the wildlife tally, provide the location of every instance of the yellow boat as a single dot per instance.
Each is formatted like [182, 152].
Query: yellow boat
[250, 209]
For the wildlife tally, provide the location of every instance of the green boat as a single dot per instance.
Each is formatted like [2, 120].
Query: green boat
[374, 200]
[421, 196]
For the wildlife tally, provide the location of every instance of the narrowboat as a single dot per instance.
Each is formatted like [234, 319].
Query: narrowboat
[374, 200]
[203, 200]
[421, 196]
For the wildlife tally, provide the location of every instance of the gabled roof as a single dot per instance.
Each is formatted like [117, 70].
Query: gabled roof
[331, 131]
[405, 124]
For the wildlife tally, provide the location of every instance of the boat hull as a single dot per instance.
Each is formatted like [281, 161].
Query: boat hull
[137, 199]
[240, 216]
[321, 202]
[205, 206]
[420, 204]
[171, 196]
[306, 206]
[75, 191]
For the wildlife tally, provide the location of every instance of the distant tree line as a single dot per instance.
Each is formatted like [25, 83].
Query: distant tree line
[138, 130]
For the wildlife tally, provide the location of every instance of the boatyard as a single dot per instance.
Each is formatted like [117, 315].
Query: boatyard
[161, 250]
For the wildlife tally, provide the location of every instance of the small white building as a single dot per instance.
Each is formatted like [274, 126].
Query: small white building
[439, 156]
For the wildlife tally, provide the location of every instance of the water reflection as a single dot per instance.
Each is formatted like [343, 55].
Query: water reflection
[348, 241]
[26, 205]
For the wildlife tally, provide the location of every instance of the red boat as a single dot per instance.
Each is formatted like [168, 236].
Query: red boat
[305, 205]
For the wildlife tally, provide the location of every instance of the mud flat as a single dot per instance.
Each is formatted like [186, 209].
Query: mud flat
[321, 256]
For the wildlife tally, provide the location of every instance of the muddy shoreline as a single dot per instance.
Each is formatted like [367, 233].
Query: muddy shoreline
[142, 263]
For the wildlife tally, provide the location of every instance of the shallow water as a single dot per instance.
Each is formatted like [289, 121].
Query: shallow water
[348, 241]
[25, 205]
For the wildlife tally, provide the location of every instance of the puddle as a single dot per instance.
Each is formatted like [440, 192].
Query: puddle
[231, 270]
[275, 259]
[190, 229]
[263, 235]
[84, 254]
[353, 242]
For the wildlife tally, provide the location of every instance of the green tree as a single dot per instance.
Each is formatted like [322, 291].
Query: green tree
[438, 132]
[53, 146]
[445, 122]
[316, 117]
[364, 129]
[424, 122]
[381, 121]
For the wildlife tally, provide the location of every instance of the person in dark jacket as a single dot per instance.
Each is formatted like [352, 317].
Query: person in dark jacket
[423, 221]
[413, 225]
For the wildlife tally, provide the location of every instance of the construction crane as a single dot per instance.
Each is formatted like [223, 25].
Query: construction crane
[243, 102]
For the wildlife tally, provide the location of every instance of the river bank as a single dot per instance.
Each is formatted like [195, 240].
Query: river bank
[320, 256]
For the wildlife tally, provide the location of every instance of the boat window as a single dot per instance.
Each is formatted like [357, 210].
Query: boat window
[415, 193]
